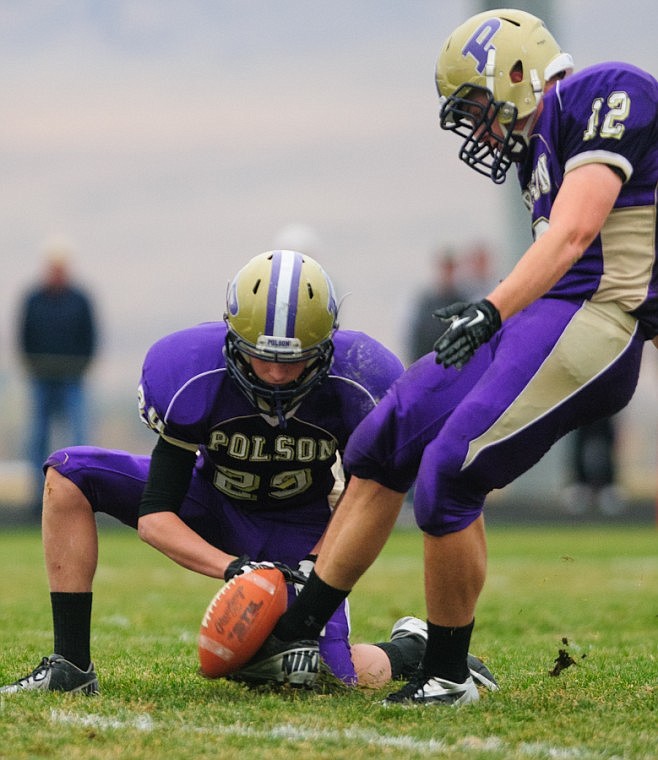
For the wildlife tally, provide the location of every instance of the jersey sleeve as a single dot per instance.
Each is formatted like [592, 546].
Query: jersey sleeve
[366, 362]
[170, 472]
[179, 382]
[362, 372]
[609, 115]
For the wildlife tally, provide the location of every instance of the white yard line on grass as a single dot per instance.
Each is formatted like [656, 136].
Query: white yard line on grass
[292, 733]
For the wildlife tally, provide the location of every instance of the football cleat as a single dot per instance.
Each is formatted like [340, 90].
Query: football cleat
[293, 662]
[480, 673]
[413, 626]
[431, 690]
[409, 626]
[54, 673]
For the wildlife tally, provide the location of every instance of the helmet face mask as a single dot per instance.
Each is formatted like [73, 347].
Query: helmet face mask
[510, 56]
[281, 307]
[472, 113]
[275, 400]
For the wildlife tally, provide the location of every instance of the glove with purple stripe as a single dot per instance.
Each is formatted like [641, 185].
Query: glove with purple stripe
[470, 325]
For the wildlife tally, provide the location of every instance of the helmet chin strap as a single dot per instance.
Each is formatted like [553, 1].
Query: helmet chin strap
[283, 421]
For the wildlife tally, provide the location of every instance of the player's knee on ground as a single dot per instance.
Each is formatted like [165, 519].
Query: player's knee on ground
[372, 665]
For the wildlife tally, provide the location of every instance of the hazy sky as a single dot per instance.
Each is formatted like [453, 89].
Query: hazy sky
[171, 140]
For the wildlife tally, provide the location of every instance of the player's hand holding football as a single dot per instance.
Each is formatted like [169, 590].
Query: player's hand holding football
[470, 325]
[242, 565]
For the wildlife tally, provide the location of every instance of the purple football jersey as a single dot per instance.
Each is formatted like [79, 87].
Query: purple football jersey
[187, 396]
[604, 114]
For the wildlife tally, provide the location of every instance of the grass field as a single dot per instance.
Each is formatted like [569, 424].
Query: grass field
[590, 591]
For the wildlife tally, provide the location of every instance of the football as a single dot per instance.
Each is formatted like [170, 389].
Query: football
[238, 620]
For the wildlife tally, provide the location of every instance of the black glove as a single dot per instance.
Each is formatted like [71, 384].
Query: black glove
[243, 564]
[471, 325]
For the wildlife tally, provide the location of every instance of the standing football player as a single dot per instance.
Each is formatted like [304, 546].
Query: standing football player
[251, 415]
[554, 345]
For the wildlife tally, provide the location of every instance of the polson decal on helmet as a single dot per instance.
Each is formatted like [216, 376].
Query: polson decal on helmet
[281, 307]
[494, 67]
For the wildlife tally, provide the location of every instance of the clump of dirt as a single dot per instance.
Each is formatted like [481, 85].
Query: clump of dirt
[563, 660]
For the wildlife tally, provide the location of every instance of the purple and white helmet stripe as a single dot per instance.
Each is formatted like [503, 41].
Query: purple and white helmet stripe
[282, 295]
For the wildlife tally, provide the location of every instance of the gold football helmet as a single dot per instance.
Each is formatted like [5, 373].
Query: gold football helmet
[281, 307]
[495, 66]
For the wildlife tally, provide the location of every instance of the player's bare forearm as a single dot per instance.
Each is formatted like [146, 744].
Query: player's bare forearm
[581, 208]
[167, 533]
[542, 265]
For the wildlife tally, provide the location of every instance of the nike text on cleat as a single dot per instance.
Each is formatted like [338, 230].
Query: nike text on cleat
[292, 662]
[432, 690]
[54, 673]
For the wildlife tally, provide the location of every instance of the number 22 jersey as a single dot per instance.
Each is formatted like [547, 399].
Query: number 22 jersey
[187, 396]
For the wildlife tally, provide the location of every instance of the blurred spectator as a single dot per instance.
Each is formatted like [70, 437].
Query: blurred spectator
[443, 291]
[57, 340]
[479, 278]
[592, 457]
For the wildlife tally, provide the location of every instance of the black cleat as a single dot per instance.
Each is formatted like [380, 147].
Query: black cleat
[413, 626]
[292, 662]
[481, 673]
[433, 690]
[54, 673]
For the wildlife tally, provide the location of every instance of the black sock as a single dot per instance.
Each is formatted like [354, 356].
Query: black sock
[310, 612]
[447, 650]
[72, 626]
[405, 654]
